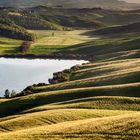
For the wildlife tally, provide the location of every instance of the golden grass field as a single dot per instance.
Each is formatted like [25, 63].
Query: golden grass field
[72, 110]
[99, 102]
[66, 124]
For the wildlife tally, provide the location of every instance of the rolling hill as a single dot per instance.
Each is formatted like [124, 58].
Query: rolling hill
[45, 18]
[96, 100]
[117, 30]
[102, 95]
[11, 30]
[108, 4]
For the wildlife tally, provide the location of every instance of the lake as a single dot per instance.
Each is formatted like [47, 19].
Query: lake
[16, 74]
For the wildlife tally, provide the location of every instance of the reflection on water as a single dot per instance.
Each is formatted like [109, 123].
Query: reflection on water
[16, 74]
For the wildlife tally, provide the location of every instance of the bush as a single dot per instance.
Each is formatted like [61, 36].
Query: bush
[75, 68]
[60, 77]
[25, 47]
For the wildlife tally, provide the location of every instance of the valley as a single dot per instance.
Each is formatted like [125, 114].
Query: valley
[98, 99]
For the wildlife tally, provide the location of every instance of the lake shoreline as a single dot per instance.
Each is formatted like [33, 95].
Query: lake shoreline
[25, 72]
[64, 57]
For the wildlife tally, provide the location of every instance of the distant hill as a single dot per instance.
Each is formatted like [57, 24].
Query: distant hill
[46, 18]
[117, 30]
[109, 4]
[11, 30]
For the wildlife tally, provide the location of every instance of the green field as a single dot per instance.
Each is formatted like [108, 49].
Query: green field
[76, 43]
[9, 46]
[51, 41]
[47, 41]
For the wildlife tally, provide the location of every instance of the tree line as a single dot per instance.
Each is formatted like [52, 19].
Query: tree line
[8, 94]
[15, 32]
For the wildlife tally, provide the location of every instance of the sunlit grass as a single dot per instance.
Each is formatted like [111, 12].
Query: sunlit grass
[9, 46]
[49, 41]
[100, 100]
[20, 104]
[52, 117]
[122, 126]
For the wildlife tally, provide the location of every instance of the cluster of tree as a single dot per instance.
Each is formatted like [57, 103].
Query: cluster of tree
[5, 21]
[57, 78]
[30, 90]
[35, 23]
[16, 32]
[43, 18]
[25, 47]
[71, 21]
[8, 94]
[63, 76]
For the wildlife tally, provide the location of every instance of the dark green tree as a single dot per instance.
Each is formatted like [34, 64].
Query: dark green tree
[7, 93]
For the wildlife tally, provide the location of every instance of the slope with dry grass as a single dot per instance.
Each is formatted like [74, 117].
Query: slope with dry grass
[114, 127]
[100, 100]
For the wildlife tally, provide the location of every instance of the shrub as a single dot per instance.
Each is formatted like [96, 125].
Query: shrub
[25, 47]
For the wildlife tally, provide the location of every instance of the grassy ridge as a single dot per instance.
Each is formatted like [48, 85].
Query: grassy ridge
[52, 117]
[19, 104]
[99, 100]
[117, 30]
[104, 46]
[70, 4]
[99, 74]
[100, 128]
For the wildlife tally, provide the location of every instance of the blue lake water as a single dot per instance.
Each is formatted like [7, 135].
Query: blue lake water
[16, 74]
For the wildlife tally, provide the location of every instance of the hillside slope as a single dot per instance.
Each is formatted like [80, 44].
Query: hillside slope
[11, 30]
[117, 30]
[96, 100]
[102, 95]
[98, 128]
[116, 4]
[41, 17]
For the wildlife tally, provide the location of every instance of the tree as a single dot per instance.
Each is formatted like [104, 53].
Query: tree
[25, 46]
[13, 93]
[7, 93]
